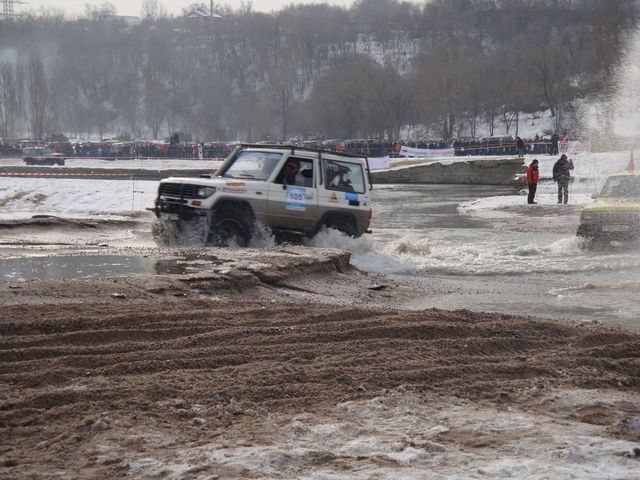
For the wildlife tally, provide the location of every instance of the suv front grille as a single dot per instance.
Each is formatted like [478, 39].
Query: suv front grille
[623, 218]
[180, 190]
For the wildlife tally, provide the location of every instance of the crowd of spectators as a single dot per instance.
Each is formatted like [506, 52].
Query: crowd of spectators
[462, 147]
[371, 148]
[10, 150]
[501, 146]
[122, 150]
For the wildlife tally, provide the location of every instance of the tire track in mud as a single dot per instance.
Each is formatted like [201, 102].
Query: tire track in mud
[147, 362]
[302, 348]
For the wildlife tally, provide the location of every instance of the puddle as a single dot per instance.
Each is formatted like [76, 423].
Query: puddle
[96, 266]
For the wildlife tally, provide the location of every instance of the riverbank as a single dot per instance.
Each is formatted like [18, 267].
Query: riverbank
[292, 364]
[454, 170]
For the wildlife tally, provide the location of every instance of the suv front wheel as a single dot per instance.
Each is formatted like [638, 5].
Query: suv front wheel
[229, 225]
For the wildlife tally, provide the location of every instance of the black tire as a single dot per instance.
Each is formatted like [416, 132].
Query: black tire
[165, 233]
[231, 225]
[181, 233]
[342, 224]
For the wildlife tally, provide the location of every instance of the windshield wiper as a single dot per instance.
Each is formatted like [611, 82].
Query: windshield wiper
[245, 175]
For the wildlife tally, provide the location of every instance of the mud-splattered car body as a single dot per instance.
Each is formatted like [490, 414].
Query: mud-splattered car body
[615, 215]
[253, 186]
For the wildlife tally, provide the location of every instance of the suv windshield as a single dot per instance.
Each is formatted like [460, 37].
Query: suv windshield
[253, 165]
[621, 187]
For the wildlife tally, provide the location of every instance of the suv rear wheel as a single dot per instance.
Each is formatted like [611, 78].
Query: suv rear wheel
[342, 224]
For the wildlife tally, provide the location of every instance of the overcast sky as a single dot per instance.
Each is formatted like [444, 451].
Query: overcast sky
[133, 7]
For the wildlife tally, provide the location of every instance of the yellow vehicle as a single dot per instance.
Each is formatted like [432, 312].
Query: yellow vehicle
[615, 215]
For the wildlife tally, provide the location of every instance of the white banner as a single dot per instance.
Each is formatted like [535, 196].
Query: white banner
[426, 152]
[377, 163]
[574, 148]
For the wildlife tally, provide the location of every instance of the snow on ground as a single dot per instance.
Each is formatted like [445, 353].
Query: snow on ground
[595, 165]
[547, 196]
[530, 124]
[136, 163]
[21, 198]
[404, 436]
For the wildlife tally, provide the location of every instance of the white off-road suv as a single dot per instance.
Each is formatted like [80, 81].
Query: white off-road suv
[289, 189]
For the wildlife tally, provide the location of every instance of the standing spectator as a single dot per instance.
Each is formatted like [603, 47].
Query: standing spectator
[533, 175]
[555, 138]
[520, 145]
[561, 174]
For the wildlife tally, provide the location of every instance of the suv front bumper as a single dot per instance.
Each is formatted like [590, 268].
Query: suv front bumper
[609, 231]
[176, 209]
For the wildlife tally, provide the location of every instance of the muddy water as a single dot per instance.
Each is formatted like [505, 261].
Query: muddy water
[517, 259]
[95, 266]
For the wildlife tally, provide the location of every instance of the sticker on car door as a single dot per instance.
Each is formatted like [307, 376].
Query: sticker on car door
[296, 198]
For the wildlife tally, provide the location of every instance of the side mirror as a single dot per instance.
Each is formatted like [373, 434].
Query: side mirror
[284, 186]
[594, 196]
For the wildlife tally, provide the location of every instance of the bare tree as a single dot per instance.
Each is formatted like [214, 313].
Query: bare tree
[8, 100]
[100, 13]
[39, 101]
[155, 100]
[280, 91]
[293, 71]
[442, 89]
[153, 10]
[396, 99]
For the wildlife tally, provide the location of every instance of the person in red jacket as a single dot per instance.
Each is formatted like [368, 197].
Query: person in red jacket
[533, 175]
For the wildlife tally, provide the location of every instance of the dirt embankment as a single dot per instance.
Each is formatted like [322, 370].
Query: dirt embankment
[84, 363]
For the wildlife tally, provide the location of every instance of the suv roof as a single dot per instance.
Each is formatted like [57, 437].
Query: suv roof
[301, 148]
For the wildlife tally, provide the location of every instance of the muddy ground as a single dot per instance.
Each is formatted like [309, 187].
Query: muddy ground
[173, 376]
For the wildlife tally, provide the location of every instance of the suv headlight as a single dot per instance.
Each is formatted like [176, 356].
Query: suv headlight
[204, 192]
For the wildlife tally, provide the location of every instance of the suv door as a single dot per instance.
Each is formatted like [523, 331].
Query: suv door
[344, 182]
[292, 199]
[344, 189]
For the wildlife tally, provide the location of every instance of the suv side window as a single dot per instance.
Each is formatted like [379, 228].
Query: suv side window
[296, 171]
[344, 176]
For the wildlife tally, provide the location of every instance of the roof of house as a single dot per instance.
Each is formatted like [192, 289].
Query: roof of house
[202, 12]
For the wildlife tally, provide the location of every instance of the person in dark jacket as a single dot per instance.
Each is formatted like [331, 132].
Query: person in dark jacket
[553, 149]
[520, 145]
[533, 175]
[561, 174]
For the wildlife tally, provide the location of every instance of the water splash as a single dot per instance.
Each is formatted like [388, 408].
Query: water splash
[613, 122]
[412, 255]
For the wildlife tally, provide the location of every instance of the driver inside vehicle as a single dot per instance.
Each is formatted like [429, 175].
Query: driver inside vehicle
[289, 173]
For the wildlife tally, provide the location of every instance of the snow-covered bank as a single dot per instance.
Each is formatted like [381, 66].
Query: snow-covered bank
[546, 197]
[22, 198]
[134, 163]
[588, 166]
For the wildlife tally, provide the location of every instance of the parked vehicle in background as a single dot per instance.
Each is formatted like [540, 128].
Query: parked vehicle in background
[616, 213]
[42, 156]
[289, 189]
